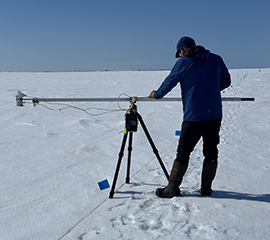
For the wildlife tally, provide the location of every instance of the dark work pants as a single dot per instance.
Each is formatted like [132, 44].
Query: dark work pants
[191, 133]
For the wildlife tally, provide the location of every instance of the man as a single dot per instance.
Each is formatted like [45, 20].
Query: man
[202, 75]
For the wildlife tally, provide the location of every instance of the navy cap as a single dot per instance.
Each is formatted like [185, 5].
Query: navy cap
[184, 42]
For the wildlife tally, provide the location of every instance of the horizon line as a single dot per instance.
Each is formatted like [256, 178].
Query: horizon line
[109, 70]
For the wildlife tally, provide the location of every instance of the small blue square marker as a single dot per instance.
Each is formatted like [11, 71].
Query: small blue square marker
[177, 133]
[103, 184]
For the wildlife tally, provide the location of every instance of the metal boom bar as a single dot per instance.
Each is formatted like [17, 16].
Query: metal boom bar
[20, 98]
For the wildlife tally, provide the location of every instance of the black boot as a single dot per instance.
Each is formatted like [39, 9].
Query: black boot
[206, 188]
[175, 180]
[208, 175]
[172, 190]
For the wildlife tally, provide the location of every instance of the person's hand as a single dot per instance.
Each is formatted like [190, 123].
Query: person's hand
[152, 94]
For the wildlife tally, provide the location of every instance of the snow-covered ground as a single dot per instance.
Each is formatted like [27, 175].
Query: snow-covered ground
[51, 162]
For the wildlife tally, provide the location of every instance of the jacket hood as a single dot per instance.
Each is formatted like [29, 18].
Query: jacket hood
[198, 53]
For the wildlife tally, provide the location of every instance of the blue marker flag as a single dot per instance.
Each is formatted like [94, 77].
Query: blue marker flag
[177, 133]
[103, 184]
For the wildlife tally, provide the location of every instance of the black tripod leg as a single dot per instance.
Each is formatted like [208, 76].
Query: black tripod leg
[153, 146]
[129, 157]
[121, 154]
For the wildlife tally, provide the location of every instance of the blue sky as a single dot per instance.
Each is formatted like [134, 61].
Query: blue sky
[78, 35]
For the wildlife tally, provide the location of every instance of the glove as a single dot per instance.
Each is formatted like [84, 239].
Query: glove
[152, 94]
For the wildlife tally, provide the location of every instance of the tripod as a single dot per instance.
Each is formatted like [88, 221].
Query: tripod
[132, 117]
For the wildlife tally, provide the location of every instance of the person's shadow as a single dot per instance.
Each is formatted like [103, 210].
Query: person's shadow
[241, 196]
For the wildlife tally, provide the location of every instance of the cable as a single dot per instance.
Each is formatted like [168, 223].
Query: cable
[118, 104]
[85, 110]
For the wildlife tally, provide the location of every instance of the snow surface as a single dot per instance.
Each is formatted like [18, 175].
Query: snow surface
[51, 162]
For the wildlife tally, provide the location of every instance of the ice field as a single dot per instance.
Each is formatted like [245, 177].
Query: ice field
[51, 162]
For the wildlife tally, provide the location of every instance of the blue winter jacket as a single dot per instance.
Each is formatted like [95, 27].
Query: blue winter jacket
[202, 75]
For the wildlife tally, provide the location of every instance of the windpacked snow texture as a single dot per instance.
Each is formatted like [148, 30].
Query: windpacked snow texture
[51, 162]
